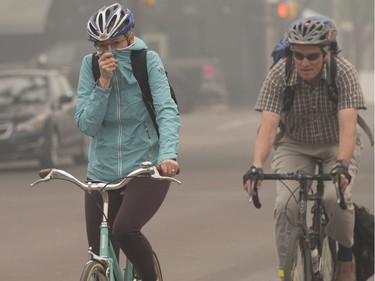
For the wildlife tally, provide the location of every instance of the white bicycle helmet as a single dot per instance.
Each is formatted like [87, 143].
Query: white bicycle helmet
[312, 31]
[109, 22]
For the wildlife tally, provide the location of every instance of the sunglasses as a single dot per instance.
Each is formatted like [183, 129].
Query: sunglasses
[309, 57]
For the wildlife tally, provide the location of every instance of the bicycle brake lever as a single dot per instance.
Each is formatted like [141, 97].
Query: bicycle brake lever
[339, 193]
[254, 197]
[45, 176]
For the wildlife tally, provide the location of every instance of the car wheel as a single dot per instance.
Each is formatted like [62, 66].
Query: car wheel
[51, 158]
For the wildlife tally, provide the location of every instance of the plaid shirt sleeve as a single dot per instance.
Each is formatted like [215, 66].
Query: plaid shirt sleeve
[349, 90]
[272, 92]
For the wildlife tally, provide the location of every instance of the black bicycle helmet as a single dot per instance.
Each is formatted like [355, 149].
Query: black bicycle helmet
[109, 22]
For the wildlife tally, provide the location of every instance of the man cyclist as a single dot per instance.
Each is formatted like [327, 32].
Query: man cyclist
[314, 127]
[111, 110]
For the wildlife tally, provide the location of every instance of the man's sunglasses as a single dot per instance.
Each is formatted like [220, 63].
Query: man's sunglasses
[309, 57]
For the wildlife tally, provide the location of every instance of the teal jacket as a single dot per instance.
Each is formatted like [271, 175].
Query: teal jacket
[122, 132]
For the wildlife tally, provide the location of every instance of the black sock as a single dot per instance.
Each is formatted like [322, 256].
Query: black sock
[344, 254]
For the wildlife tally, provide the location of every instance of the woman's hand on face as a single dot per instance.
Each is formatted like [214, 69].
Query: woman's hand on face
[107, 66]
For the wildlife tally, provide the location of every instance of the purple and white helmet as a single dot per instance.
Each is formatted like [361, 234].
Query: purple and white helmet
[109, 22]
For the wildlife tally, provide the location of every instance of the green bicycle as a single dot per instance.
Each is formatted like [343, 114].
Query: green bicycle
[105, 266]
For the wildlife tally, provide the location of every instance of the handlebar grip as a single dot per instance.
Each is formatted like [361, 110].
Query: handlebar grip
[255, 197]
[342, 203]
[43, 173]
[339, 193]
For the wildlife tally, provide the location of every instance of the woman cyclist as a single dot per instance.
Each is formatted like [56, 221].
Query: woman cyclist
[111, 110]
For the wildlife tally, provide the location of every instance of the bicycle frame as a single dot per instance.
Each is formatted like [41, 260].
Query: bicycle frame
[318, 211]
[107, 256]
[311, 238]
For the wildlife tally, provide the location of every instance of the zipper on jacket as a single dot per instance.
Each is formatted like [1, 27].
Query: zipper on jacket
[119, 136]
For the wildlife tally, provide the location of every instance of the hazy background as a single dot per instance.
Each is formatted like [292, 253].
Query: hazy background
[240, 33]
[205, 230]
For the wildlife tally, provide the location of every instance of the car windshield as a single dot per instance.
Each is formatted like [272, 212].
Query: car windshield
[23, 90]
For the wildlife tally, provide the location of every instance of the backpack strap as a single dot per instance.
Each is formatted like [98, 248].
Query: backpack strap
[362, 123]
[139, 66]
[289, 92]
[331, 81]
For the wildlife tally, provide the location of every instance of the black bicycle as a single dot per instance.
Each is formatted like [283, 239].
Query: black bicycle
[311, 255]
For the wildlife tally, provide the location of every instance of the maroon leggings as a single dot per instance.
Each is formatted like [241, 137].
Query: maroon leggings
[129, 211]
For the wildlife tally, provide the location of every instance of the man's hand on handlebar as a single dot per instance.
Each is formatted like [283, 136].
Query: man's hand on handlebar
[341, 169]
[253, 174]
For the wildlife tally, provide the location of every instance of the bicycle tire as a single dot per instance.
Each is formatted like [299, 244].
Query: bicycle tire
[158, 268]
[328, 258]
[298, 258]
[137, 276]
[94, 271]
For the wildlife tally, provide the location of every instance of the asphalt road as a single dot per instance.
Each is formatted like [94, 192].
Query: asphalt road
[205, 231]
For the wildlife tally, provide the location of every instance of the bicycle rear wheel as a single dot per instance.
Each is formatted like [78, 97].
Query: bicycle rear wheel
[298, 258]
[93, 271]
[137, 276]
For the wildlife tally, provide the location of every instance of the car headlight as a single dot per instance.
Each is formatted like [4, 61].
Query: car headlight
[36, 123]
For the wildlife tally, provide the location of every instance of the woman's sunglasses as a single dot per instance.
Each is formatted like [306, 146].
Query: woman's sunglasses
[309, 57]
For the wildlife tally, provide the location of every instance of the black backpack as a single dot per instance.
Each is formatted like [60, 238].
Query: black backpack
[282, 49]
[363, 247]
[139, 66]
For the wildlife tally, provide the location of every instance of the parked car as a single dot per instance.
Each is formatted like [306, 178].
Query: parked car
[37, 117]
[196, 81]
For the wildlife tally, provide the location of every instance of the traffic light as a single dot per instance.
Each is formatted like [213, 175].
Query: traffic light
[283, 10]
[149, 2]
[287, 9]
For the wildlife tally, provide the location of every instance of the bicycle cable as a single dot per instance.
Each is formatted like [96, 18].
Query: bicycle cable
[100, 206]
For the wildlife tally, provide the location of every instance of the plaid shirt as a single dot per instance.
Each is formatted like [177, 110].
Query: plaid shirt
[313, 117]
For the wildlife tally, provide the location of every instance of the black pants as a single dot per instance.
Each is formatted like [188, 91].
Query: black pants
[129, 211]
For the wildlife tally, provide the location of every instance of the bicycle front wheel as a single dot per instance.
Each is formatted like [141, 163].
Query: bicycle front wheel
[137, 276]
[157, 268]
[93, 271]
[328, 258]
[298, 258]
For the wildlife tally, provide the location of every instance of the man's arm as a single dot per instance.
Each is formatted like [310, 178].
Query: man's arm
[265, 137]
[347, 140]
[347, 124]
[263, 143]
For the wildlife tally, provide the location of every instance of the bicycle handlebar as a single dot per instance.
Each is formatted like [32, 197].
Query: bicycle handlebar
[296, 176]
[146, 170]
